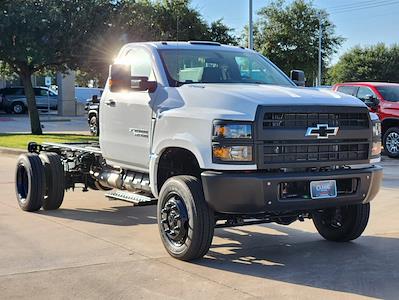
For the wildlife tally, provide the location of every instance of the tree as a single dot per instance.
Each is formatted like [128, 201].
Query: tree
[48, 34]
[145, 20]
[219, 32]
[170, 21]
[288, 35]
[373, 63]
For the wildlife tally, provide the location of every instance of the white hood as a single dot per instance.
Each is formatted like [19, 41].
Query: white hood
[240, 101]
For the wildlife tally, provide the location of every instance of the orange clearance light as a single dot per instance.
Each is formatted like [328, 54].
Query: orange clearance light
[376, 149]
[221, 130]
[221, 152]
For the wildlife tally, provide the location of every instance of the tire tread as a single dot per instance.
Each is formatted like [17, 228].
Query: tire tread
[55, 181]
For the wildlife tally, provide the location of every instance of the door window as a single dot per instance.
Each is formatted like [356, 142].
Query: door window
[40, 92]
[13, 91]
[141, 63]
[364, 93]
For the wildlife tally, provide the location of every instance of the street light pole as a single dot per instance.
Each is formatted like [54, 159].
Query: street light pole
[320, 38]
[250, 28]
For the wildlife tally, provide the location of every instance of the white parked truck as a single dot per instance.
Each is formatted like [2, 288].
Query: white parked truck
[217, 136]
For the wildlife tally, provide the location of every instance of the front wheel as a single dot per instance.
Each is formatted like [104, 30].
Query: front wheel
[391, 142]
[18, 108]
[342, 224]
[186, 222]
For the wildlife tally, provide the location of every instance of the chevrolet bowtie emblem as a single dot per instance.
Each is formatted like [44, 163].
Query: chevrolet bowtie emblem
[322, 131]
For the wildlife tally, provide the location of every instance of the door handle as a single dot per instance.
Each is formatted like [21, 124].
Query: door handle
[110, 102]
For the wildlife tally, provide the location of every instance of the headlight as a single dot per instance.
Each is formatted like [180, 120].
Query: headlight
[376, 149]
[232, 153]
[232, 131]
[232, 142]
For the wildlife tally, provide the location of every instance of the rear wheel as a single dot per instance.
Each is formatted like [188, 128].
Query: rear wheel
[30, 182]
[55, 182]
[391, 142]
[342, 224]
[186, 223]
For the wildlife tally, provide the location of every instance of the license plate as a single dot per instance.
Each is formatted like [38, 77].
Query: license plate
[323, 189]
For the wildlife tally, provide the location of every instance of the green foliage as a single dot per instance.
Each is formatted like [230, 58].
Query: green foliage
[145, 20]
[48, 34]
[38, 34]
[288, 35]
[373, 63]
[219, 32]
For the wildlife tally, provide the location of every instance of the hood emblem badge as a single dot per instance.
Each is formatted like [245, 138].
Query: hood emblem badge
[322, 131]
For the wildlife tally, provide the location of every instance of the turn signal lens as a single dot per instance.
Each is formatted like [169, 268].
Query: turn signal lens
[233, 153]
[376, 150]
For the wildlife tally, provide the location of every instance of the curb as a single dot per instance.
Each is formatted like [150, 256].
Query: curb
[11, 151]
[55, 120]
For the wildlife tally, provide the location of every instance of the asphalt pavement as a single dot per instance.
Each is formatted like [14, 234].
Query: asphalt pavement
[51, 123]
[93, 248]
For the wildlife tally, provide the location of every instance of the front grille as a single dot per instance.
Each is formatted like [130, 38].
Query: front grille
[282, 140]
[314, 151]
[302, 120]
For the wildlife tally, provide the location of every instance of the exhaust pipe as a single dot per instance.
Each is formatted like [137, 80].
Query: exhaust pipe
[122, 180]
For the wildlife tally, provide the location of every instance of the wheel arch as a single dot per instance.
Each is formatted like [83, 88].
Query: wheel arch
[388, 123]
[171, 161]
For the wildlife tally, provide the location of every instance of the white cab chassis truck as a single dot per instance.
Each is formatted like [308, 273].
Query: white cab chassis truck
[217, 136]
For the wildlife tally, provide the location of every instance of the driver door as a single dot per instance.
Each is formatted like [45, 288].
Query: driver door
[126, 118]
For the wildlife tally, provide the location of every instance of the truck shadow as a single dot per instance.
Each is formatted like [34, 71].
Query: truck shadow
[115, 215]
[368, 266]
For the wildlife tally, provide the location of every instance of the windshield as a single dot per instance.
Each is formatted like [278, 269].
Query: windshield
[220, 66]
[389, 92]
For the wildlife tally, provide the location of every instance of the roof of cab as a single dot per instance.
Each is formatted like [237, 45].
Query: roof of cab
[188, 45]
[367, 83]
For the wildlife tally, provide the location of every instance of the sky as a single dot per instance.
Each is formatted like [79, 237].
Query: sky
[376, 22]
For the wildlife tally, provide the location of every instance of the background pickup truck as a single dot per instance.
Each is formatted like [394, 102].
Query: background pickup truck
[217, 136]
[383, 99]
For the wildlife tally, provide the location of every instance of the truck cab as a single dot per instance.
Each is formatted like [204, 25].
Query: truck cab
[382, 99]
[218, 136]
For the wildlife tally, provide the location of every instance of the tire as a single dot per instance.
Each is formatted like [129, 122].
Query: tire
[18, 108]
[183, 196]
[93, 124]
[30, 182]
[391, 142]
[350, 226]
[55, 180]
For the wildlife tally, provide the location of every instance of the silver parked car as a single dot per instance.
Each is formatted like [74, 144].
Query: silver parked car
[14, 99]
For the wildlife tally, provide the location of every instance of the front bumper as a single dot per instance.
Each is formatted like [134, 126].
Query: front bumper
[260, 192]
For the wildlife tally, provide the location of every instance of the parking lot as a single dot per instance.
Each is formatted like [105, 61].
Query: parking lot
[94, 248]
[10, 123]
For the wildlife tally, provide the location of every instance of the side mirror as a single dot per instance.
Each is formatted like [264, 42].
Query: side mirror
[298, 77]
[141, 83]
[371, 101]
[120, 79]
[94, 99]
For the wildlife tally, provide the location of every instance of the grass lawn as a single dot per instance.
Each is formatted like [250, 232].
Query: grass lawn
[20, 140]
